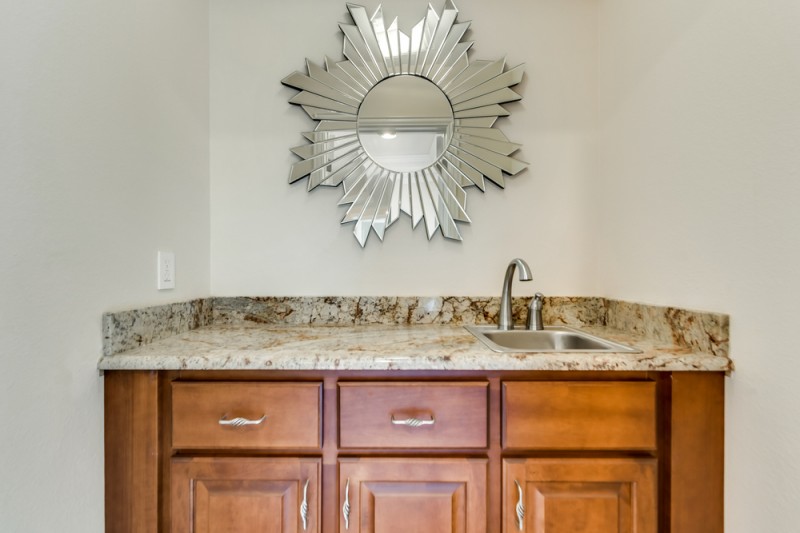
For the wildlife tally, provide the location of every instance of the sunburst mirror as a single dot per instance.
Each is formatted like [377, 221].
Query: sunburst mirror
[405, 123]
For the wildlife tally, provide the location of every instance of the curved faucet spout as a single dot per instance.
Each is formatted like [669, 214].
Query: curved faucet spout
[505, 320]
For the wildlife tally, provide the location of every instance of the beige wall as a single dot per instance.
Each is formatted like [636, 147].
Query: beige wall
[103, 159]
[272, 238]
[699, 183]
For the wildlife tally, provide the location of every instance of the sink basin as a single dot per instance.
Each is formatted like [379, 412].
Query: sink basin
[550, 339]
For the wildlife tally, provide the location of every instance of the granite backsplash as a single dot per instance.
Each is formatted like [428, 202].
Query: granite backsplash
[695, 330]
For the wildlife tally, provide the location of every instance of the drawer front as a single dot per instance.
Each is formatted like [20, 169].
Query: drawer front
[204, 415]
[579, 415]
[413, 415]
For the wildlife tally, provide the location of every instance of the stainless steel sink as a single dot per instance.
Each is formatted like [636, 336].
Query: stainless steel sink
[550, 339]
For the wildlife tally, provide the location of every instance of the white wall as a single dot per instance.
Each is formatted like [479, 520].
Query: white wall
[103, 159]
[272, 238]
[699, 183]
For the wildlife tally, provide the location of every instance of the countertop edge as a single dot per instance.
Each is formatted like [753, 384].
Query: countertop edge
[389, 348]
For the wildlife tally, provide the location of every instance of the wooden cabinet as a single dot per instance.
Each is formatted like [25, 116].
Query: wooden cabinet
[409, 494]
[569, 415]
[225, 415]
[599, 495]
[244, 492]
[413, 414]
[386, 452]
[269, 495]
[586, 492]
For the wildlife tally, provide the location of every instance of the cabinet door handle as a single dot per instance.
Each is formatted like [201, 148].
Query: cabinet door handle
[413, 422]
[239, 421]
[346, 505]
[304, 506]
[520, 508]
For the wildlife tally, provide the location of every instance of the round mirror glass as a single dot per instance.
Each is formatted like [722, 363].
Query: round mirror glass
[405, 123]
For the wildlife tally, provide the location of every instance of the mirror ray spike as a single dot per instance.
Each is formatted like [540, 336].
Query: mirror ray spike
[428, 30]
[355, 184]
[503, 81]
[366, 220]
[360, 17]
[381, 35]
[357, 51]
[509, 165]
[451, 46]
[456, 191]
[321, 175]
[317, 113]
[494, 110]
[443, 215]
[416, 43]
[405, 194]
[466, 170]
[490, 171]
[307, 83]
[428, 209]
[454, 208]
[500, 147]
[416, 200]
[395, 47]
[323, 136]
[442, 30]
[394, 201]
[381, 219]
[332, 95]
[333, 179]
[307, 166]
[454, 174]
[492, 70]
[348, 74]
[307, 151]
[485, 133]
[357, 208]
[470, 79]
[321, 102]
[477, 122]
[323, 76]
[501, 96]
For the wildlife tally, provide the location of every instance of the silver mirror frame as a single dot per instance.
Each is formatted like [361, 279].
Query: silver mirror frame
[333, 94]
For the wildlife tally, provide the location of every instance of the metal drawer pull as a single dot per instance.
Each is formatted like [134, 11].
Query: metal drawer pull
[346, 506]
[239, 421]
[413, 422]
[304, 506]
[520, 507]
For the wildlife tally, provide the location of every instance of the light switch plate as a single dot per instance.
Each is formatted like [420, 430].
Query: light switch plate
[166, 271]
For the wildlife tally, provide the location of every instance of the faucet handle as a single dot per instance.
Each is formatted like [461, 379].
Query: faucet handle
[534, 321]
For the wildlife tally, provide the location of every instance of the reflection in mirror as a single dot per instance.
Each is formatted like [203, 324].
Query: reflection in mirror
[405, 123]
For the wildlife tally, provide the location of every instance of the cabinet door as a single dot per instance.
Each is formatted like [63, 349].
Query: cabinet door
[579, 496]
[405, 495]
[232, 495]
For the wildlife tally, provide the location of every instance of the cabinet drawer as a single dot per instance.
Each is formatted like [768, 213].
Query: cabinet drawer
[204, 415]
[385, 415]
[579, 415]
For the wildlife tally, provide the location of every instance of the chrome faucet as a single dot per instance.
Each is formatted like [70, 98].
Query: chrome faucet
[505, 321]
[535, 313]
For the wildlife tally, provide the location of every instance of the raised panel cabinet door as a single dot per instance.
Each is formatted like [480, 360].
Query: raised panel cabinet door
[241, 495]
[409, 495]
[579, 496]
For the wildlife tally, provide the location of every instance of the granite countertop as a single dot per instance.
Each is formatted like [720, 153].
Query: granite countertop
[254, 346]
